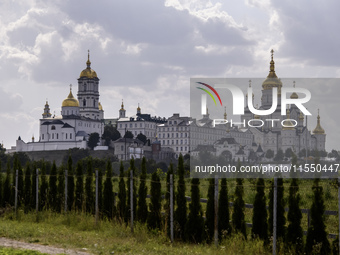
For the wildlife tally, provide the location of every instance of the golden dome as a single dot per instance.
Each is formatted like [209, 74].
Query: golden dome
[122, 105]
[272, 81]
[301, 117]
[294, 95]
[100, 106]
[289, 125]
[70, 101]
[88, 72]
[318, 129]
[138, 108]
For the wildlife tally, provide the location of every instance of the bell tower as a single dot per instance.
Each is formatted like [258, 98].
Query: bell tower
[88, 92]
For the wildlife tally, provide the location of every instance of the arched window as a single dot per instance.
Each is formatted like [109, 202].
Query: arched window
[53, 128]
[84, 102]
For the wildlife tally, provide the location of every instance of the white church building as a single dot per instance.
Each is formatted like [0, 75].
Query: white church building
[79, 118]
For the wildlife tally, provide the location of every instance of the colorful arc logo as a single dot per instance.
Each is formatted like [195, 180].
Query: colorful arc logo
[209, 93]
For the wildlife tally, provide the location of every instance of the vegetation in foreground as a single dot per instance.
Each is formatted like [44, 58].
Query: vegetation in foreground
[12, 251]
[78, 231]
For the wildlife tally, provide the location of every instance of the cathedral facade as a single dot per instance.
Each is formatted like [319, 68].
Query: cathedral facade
[294, 134]
[79, 118]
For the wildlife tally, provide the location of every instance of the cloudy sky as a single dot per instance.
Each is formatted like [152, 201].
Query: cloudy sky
[146, 51]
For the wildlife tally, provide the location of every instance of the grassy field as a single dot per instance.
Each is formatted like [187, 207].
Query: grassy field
[11, 251]
[74, 231]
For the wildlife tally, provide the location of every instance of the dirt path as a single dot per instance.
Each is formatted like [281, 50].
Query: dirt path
[5, 242]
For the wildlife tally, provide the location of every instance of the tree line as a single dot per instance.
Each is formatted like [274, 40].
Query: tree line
[191, 224]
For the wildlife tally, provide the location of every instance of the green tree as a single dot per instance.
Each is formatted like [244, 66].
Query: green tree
[224, 227]
[7, 186]
[79, 187]
[27, 188]
[70, 184]
[108, 193]
[128, 134]
[289, 153]
[43, 188]
[167, 196]
[279, 155]
[210, 211]
[181, 210]
[316, 234]
[142, 138]
[195, 225]
[294, 230]
[154, 216]
[52, 194]
[100, 192]
[110, 134]
[239, 224]
[280, 215]
[34, 185]
[260, 225]
[335, 246]
[61, 189]
[1, 184]
[93, 140]
[269, 154]
[121, 193]
[142, 212]
[89, 188]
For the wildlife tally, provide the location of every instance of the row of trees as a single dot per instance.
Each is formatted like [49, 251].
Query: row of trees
[112, 134]
[190, 224]
[280, 155]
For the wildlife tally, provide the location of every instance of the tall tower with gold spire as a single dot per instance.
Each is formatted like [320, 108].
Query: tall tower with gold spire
[122, 111]
[88, 92]
[320, 135]
[272, 81]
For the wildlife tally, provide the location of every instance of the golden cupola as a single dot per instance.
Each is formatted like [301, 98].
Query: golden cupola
[122, 106]
[100, 107]
[70, 101]
[88, 72]
[272, 80]
[318, 130]
[294, 95]
[138, 109]
[301, 117]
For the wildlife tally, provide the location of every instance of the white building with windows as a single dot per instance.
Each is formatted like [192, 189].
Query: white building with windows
[138, 124]
[77, 120]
